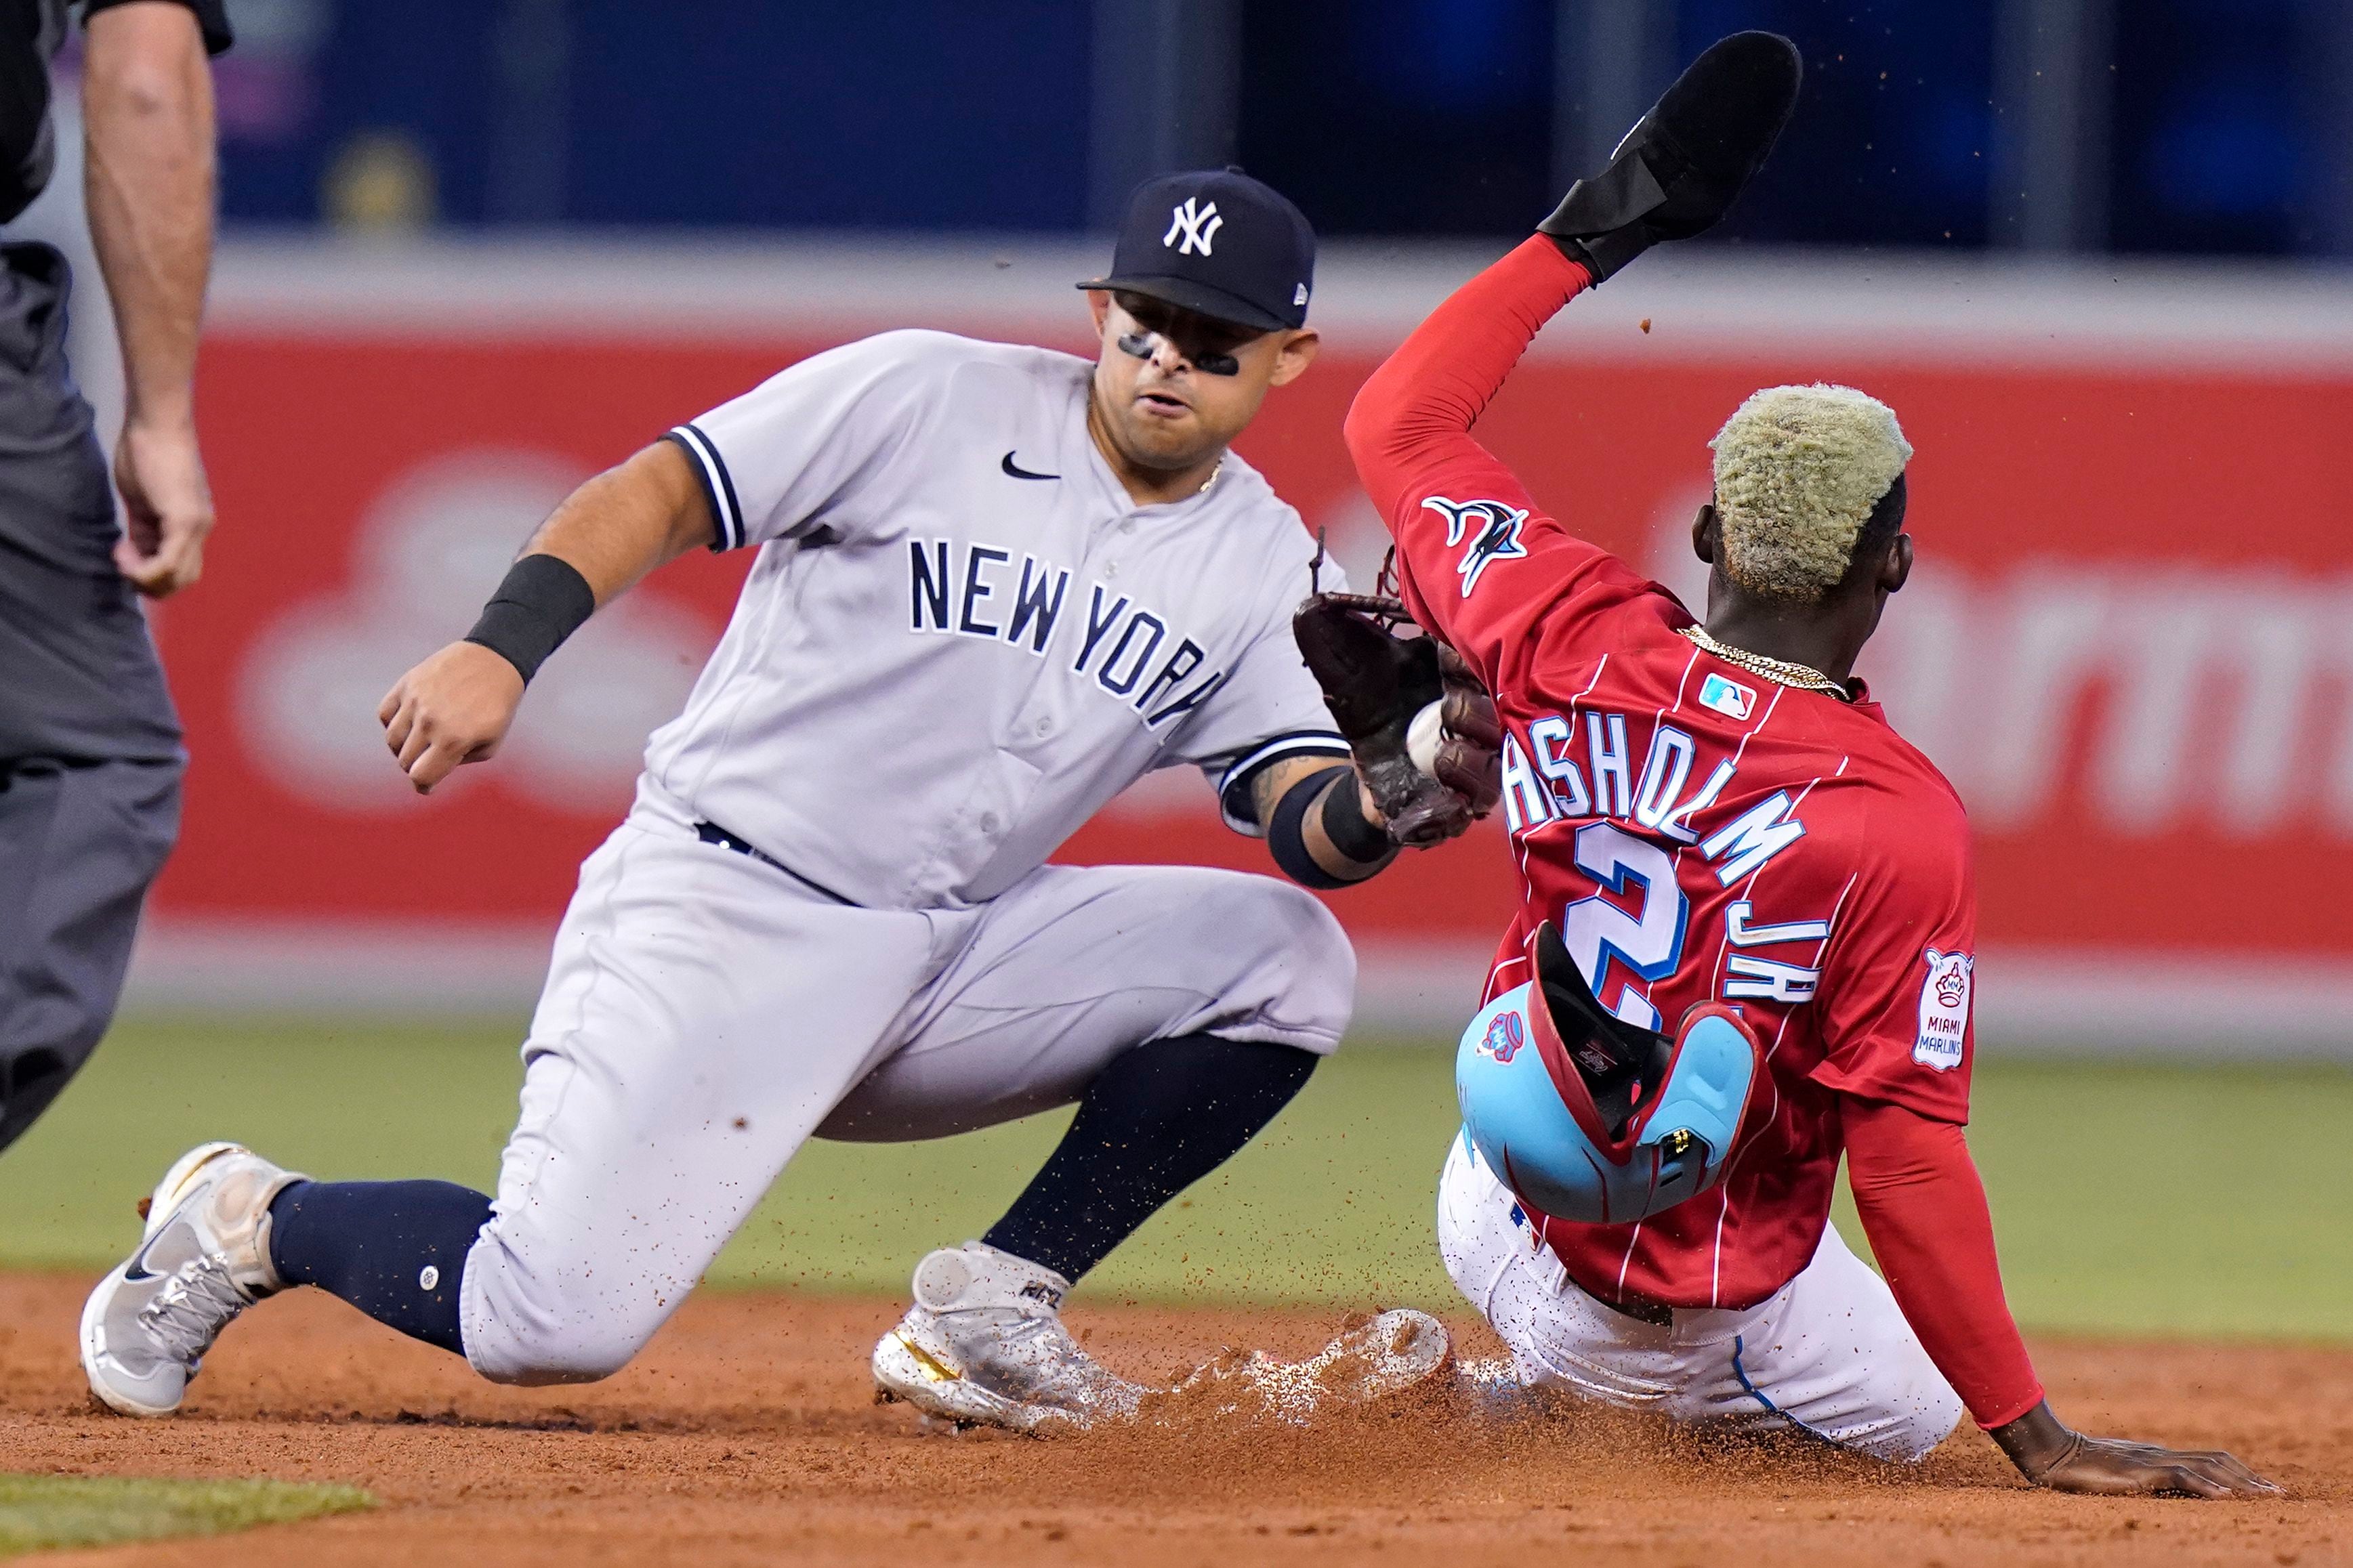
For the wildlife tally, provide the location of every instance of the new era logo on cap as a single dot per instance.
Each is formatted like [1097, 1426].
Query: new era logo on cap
[1218, 242]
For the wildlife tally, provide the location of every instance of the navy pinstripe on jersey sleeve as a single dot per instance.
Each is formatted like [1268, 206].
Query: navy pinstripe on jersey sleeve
[718, 488]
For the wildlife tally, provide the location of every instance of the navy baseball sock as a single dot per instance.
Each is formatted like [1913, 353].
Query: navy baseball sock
[1158, 1119]
[393, 1249]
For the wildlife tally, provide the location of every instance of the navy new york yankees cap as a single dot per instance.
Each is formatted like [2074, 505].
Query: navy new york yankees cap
[1217, 242]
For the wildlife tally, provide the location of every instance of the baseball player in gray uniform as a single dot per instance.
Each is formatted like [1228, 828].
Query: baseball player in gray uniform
[89, 744]
[995, 585]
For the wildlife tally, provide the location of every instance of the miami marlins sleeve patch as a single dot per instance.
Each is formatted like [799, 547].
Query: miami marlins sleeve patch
[1943, 1010]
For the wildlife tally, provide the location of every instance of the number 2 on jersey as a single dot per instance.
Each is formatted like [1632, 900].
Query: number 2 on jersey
[1596, 931]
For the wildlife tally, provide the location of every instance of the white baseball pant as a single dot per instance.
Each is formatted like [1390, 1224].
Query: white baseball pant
[1830, 1352]
[705, 1014]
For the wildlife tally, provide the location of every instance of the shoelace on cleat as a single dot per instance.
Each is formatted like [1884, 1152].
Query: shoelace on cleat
[194, 1305]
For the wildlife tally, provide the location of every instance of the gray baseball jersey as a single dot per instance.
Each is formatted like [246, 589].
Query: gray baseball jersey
[962, 636]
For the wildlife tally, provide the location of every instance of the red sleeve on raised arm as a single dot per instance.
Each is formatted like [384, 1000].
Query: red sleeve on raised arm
[1481, 564]
[1415, 414]
[1924, 1209]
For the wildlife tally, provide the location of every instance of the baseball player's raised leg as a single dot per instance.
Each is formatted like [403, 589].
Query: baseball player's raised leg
[1829, 1354]
[703, 1012]
[1181, 1009]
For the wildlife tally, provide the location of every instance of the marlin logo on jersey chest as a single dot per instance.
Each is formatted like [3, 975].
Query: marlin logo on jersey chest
[1128, 650]
[1493, 528]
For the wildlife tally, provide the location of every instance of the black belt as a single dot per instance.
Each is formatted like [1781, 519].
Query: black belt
[711, 833]
[1658, 1314]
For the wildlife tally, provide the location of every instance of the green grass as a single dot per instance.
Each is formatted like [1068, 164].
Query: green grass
[2209, 1201]
[2191, 1200]
[41, 1512]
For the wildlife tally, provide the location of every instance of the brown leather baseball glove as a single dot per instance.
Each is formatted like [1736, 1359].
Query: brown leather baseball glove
[1378, 672]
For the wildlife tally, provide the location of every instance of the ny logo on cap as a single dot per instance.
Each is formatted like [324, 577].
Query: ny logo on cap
[1198, 225]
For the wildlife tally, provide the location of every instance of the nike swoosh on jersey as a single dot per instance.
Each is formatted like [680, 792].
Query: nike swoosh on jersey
[1016, 471]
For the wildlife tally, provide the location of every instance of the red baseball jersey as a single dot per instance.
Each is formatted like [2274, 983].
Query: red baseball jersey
[1697, 832]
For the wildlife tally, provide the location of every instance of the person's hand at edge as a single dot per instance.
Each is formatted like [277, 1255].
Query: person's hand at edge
[167, 507]
[2051, 1454]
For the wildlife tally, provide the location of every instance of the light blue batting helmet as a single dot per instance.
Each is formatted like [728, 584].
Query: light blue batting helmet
[1587, 1118]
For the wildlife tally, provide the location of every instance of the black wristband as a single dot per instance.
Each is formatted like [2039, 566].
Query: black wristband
[1286, 835]
[1351, 833]
[542, 601]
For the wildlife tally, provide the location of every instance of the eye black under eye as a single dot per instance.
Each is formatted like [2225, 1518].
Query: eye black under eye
[1138, 345]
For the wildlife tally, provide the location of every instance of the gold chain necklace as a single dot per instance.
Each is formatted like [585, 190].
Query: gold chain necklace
[1781, 671]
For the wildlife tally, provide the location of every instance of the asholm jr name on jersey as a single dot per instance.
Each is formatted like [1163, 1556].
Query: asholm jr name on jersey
[1559, 770]
[975, 590]
[1544, 782]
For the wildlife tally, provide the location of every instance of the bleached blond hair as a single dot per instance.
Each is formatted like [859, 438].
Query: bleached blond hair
[1797, 471]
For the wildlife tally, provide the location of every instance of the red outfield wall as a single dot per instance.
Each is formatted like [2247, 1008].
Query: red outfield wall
[2129, 641]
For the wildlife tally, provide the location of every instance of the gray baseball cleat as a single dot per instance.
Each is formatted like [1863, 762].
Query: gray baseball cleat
[983, 1345]
[203, 1259]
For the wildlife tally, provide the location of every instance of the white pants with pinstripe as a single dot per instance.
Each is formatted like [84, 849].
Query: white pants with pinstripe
[1829, 1352]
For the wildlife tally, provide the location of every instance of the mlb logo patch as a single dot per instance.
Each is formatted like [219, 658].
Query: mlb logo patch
[1727, 696]
[1943, 1010]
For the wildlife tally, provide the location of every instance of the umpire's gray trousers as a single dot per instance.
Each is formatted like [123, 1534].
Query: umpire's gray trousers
[79, 845]
[90, 747]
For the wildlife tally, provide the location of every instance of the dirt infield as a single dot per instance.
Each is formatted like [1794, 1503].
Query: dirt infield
[746, 1434]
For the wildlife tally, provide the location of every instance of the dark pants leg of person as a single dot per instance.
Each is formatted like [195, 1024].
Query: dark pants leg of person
[89, 746]
[79, 845]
